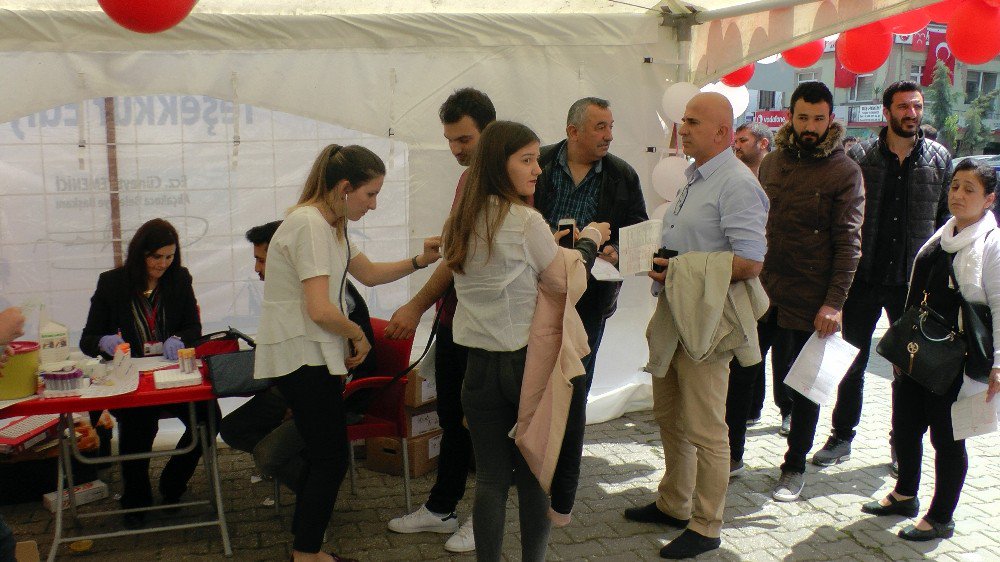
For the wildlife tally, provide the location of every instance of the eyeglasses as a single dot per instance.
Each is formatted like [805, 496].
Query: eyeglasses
[681, 198]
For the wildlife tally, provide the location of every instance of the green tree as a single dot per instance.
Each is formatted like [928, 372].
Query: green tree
[975, 136]
[942, 99]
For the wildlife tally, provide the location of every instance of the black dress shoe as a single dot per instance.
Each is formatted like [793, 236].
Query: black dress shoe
[906, 508]
[937, 531]
[688, 545]
[652, 514]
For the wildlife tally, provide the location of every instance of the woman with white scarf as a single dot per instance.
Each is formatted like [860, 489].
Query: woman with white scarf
[970, 238]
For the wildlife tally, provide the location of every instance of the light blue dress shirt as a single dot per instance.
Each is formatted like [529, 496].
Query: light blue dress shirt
[722, 208]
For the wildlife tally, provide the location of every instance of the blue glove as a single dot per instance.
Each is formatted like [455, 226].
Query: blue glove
[108, 344]
[171, 347]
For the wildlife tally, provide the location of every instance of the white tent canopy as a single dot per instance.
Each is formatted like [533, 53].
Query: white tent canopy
[217, 120]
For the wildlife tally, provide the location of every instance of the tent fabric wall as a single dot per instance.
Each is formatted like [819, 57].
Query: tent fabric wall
[384, 76]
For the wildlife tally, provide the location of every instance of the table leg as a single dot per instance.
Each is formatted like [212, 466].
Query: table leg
[210, 455]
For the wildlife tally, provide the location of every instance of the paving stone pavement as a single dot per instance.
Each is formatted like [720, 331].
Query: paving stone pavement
[621, 467]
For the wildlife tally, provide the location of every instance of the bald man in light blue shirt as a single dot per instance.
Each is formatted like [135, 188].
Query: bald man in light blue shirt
[722, 208]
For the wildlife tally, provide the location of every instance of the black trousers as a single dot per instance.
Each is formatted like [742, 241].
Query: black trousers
[805, 412]
[746, 386]
[456, 445]
[316, 400]
[137, 428]
[914, 411]
[861, 313]
[567, 475]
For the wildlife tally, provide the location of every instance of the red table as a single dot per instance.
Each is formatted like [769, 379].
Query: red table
[145, 395]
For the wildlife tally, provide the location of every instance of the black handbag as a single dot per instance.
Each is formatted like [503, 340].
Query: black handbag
[925, 347]
[229, 369]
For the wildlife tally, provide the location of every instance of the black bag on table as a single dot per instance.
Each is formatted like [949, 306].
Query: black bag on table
[229, 369]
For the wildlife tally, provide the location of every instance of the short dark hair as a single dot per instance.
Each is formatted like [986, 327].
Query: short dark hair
[899, 86]
[987, 174]
[262, 234]
[471, 102]
[758, 130]
[930, 132]
[850, 138]
[151, 236]
[811, 92]
[577, 113]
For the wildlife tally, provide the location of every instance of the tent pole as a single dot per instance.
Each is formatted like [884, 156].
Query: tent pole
[114, 203]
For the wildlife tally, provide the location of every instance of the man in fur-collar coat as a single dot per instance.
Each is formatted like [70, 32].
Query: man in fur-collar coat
[814, 246]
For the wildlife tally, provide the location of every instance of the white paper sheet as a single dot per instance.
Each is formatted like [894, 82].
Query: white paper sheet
[636, 246]
[604, 271]
[153, 363]
[820, 366]
[974, 416]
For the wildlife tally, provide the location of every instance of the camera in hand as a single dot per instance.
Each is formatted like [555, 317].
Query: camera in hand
[568, 225]
[665, 253]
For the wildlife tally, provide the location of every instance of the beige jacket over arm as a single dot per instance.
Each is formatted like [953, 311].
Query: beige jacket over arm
[701, 310]
[556, 345]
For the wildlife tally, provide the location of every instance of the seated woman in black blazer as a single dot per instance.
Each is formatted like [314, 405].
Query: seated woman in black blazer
[148, 303]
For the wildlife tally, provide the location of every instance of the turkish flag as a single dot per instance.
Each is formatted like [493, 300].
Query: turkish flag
[842, 78]
[937, 49]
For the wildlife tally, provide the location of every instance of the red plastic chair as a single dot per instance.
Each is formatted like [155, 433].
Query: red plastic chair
[386, 415]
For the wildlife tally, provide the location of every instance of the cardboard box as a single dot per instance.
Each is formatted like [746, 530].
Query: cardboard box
[421, 420]
[385, 454]
[419, 391]
[26, 551]
[84, 493]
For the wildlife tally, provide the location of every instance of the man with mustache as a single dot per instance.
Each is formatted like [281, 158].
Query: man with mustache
[581, 180]
[906, 184]
[813, 247]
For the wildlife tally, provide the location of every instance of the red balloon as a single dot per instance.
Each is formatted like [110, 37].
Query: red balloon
[804, 55]
[863, 49]
[942, 11]
[147, 16]
[739, 77]
[972, 32]
[907, 22]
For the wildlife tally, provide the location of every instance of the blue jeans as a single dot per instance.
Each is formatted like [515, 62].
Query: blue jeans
[490, 397]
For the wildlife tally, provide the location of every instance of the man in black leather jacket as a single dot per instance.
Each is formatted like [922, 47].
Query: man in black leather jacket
[581, 180]
[906, 200]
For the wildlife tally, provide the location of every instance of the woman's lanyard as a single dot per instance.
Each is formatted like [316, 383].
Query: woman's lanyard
[150, 316]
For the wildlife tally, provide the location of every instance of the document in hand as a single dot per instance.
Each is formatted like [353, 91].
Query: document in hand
[636, 246]
[974, 416]
[820, 366]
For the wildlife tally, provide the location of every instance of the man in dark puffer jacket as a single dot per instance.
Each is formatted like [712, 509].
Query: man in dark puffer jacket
[906, 200]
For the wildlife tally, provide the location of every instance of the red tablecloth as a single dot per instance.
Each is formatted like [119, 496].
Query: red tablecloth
[145, 395]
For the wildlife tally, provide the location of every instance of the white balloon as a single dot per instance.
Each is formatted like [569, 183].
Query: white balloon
[659, 211]
[770, 59]
[668, 176]
[739, 97]
[675, 99]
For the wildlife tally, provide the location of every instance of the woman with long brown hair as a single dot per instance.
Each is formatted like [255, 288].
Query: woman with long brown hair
[497, 245]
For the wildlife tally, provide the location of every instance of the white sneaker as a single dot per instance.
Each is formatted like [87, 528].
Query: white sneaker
[462, 541]
[422, 520]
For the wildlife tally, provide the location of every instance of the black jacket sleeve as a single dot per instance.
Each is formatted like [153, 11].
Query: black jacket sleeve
[100, 318]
